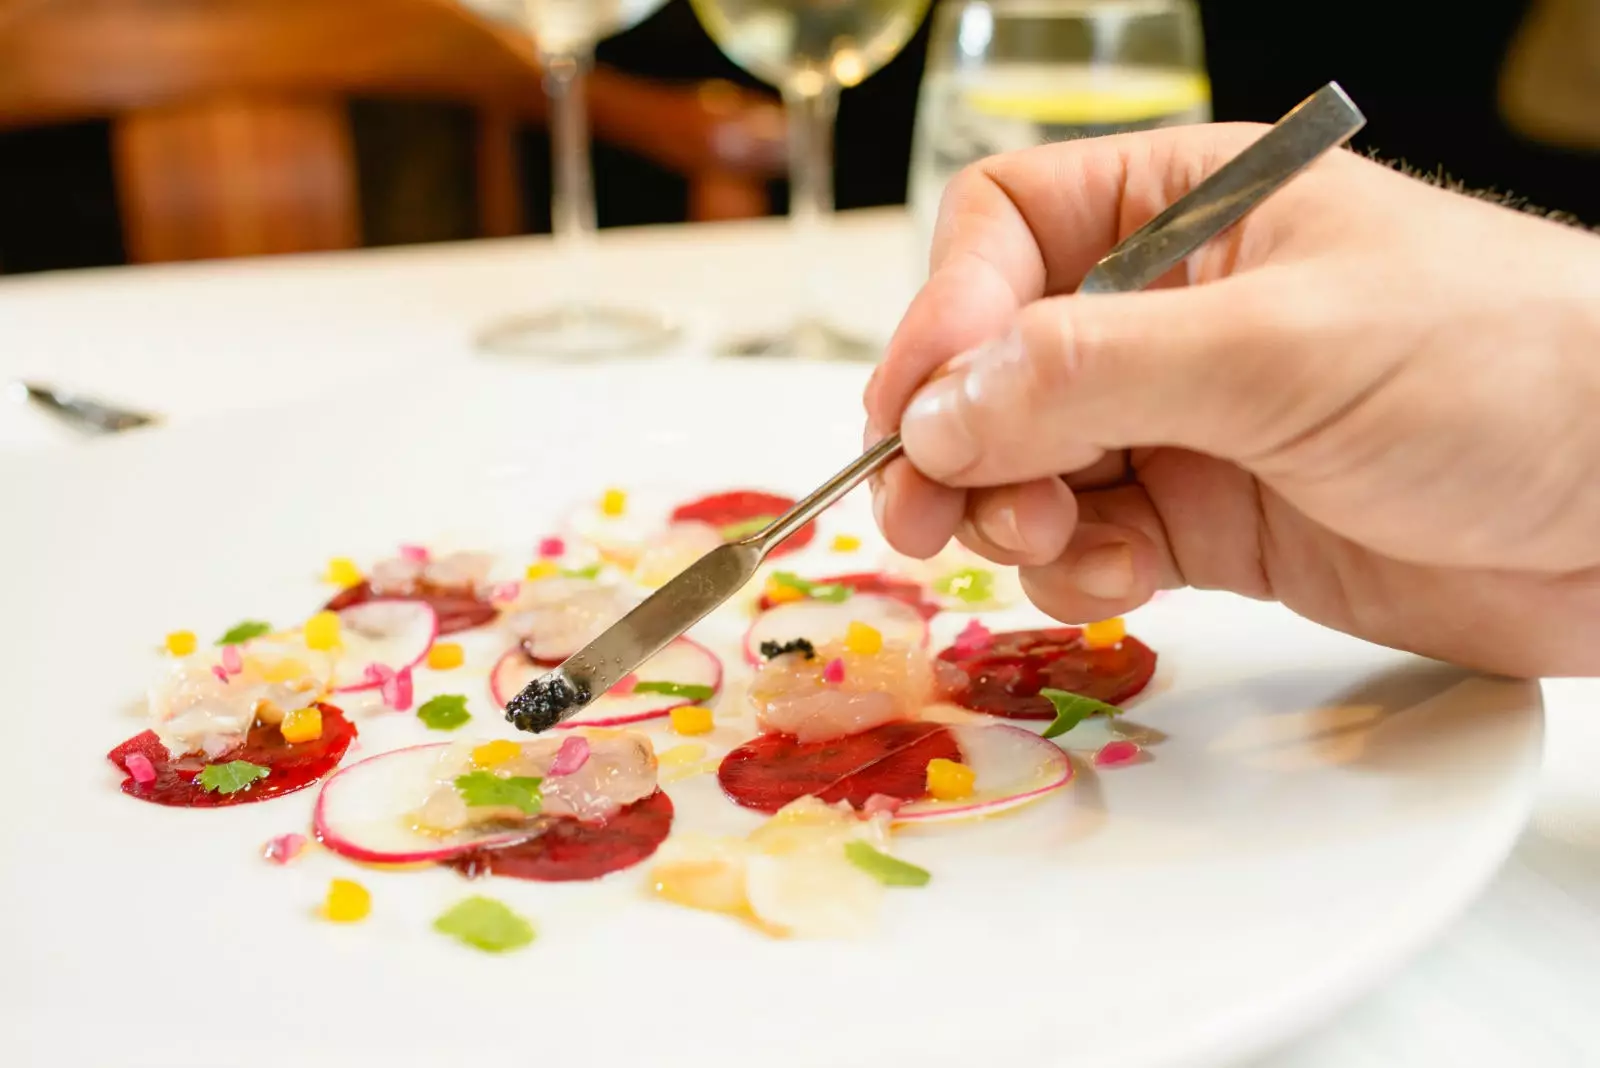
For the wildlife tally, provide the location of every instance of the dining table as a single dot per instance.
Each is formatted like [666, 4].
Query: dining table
[1509, 984]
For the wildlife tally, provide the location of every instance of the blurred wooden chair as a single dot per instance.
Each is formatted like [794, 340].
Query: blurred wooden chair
[230, 128]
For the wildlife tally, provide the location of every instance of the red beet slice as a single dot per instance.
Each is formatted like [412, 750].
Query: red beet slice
[723, 510]
[571, 851]
[1005, 677]
[458, 609]
[772, 770]
[902, 590]
[291, 767]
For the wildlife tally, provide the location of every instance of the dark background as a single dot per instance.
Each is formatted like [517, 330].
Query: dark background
[1425, 73]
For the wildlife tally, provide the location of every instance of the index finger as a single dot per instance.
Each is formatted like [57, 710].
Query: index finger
[1025, 225]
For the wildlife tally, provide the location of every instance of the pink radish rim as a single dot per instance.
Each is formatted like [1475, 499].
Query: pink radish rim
[909, 813]
[346, 848]
[433, 636]
[516, 653]
[753, 656]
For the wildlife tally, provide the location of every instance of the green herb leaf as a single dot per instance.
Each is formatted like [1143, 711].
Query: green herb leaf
[824, 592]
[445, 712]
[1072, 709]
[230, 778]
[243, 632]
[485, 789]
[971, 584]
[890, 871]
[676, 689]
[486, 924]
[745, 528]
[592, 571]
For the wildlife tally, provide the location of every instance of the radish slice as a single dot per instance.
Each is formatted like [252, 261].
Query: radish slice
[820, 622]
[1012, 767]
[392, 634]
[360, 813]
[684, 662]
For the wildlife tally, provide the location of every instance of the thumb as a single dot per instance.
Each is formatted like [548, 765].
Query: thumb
[1219, 368]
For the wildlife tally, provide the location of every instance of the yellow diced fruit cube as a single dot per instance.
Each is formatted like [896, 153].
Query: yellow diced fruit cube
[181, 642]
[444, 656]
[342, 572]
[1105, 634]
[542, 570]
[778, 593]
[492, 754]
[322, 631]
[846, 543]
[614, 503]
[948, 780]
[347, 902]
[862, 639]
[692, 719]
[302, 725]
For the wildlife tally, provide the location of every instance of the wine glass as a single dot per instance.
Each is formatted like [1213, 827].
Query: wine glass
[811, 49]
[565, 32]
[1004, 75]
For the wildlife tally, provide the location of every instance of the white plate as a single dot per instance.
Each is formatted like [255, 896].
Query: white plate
[1320, 809]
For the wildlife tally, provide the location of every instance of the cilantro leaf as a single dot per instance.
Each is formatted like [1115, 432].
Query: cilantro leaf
[828, 591]
[445, 712]
[971, 584]
[686, 690]
[243, 632]
[890, 871]
[745, 528]
[592, 571]
[831, 593]
[486, 924]
[485, 789]
[231, 777]
[1072, 709]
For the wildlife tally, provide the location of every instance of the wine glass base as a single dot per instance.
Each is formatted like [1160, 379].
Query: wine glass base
[580, 331]
[807, 340]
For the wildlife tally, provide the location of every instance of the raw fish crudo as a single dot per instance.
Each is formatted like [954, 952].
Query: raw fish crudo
[760, 769]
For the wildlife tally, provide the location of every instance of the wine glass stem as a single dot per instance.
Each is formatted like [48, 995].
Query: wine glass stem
[572, 214]
[812, 111]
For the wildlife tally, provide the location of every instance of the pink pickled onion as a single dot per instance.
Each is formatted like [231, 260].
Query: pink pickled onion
[232, 661]
[1115, 754]
[625, 685]
[284, 848]
[505, 592]
[378, 673]
[833, 673]
[397, 690]
[881, 804]
[974, 638]
[220, 673]
[139, 766]
[573, 754]
[417, 554]
[549, 547]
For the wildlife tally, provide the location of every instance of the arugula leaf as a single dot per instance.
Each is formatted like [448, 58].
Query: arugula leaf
[890, 871]
[486, 924]
[445, 712]
[1072, 709]
[485, 789]
[676, 689]
[243, 632]
[592, 571]
[971, 584]
[231, 777]
[747, 527]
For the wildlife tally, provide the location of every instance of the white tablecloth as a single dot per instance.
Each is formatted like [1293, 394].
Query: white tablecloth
[1513, 984]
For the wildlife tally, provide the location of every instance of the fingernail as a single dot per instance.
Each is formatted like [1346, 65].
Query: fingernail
[1004, 530]
[1105, 572]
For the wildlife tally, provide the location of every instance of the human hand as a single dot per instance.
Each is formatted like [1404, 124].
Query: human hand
[1375, 401]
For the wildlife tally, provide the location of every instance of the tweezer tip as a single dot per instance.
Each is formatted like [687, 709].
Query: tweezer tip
[545, 702]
